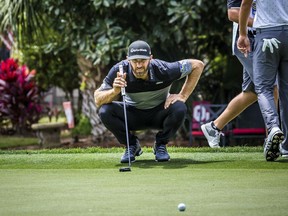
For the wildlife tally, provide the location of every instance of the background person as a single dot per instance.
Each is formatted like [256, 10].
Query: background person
[149, 104]
[270, 60]
[212, 130]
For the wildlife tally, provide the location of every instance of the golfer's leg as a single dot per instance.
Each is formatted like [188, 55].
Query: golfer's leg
[112, 116]
[170, 120]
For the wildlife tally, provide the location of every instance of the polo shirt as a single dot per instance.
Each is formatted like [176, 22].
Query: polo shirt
[147, 94]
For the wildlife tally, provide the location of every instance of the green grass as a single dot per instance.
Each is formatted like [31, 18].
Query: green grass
[228, 181]
[10, 141]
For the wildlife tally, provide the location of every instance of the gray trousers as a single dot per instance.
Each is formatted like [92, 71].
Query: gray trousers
[247, 63]
[269, 63]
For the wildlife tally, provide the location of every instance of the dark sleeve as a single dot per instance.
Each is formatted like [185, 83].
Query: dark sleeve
[167, 70]
[233, 3]
[109, 79]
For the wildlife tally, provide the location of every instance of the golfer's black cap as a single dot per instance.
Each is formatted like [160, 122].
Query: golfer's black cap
[139, 50]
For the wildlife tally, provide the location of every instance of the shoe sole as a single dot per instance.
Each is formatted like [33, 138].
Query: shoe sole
[206, 134]
[273, 152]
[132, 159]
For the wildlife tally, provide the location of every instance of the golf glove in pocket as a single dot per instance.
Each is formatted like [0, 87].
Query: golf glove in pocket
[270, 43]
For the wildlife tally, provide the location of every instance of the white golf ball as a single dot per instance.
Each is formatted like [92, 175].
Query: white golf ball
[181, 207]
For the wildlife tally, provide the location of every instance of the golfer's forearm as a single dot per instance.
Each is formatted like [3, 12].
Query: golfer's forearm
[192, 79]
[243, 17]
[104, 97]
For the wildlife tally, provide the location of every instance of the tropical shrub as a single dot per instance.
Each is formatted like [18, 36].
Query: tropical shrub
[19, 99]
[83, 128]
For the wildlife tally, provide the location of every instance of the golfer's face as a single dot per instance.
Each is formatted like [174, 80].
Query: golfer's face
[140, 68]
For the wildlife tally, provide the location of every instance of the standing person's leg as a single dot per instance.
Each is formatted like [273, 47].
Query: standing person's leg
[248, 96]
[283, 104]
[266, 63]
[283, 94]
[238, 104]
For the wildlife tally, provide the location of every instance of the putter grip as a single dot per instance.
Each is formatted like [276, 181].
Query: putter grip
[123, 93]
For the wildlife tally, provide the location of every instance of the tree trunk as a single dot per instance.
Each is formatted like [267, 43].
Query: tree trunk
[91, 78]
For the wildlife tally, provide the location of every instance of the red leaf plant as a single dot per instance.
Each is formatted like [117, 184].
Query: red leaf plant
[19, 99]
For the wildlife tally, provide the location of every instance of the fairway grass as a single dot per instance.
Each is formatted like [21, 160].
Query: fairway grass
[222, 182]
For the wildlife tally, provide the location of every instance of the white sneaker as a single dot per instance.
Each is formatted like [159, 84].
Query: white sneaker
[283, 152]
[272, 142]
[212, 135]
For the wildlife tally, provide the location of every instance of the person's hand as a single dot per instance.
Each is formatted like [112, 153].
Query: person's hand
[270, 43]
[172, 98]
[119, 82]
[243, 44]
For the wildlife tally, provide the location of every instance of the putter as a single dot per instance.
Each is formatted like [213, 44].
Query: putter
[123, 93]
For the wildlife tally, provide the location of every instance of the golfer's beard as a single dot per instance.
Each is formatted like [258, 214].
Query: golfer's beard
[141, 72]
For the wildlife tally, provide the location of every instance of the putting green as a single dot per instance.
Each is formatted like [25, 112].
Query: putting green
[208, 183]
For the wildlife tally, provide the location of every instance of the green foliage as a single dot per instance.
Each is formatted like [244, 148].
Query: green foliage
[83, 127]
[101, 30]
[55, 69]
[25, 16]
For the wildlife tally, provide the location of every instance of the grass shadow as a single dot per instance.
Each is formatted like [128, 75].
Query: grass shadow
[175, 163]
[282, 160]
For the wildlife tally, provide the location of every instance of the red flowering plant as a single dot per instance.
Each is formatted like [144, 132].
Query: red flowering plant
[19, 99]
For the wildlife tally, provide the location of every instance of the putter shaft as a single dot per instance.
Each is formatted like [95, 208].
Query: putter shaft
[123, 93]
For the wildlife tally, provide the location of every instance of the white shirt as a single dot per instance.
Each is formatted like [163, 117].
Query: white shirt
[271, 13]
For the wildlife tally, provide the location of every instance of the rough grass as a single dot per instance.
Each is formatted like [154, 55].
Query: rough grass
[9, 141]
[237, 149]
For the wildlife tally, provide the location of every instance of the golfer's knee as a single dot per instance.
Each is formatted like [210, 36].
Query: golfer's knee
[179, 110]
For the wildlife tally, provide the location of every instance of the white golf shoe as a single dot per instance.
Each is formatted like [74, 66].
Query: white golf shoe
[212, 135]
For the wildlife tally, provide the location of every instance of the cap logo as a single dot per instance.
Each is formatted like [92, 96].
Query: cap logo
[137, 50]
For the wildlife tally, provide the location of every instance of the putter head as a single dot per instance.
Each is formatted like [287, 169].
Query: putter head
[125, 169]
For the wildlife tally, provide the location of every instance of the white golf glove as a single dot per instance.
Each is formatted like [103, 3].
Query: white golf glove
[270, 43]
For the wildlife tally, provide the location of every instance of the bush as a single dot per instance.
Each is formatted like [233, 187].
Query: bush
[83, 128]
[19, 99]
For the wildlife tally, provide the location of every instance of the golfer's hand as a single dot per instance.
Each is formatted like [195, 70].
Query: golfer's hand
[172, 98]
[269, 43]
[243, 44]
[119, 82]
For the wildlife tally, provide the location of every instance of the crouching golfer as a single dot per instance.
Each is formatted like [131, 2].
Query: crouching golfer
[148, 103]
